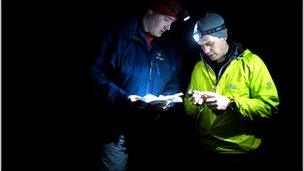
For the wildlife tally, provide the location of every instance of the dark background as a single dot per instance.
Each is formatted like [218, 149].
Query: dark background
[48, 47]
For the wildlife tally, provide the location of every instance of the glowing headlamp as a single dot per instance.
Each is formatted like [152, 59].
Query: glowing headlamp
[198, 33]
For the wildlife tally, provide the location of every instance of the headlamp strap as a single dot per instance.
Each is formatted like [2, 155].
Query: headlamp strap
[213, 30]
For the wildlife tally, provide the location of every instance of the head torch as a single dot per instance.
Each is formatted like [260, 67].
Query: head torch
[198, 33]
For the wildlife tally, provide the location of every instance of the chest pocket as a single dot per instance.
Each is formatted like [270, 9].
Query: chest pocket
[237, 83]
[133, 64]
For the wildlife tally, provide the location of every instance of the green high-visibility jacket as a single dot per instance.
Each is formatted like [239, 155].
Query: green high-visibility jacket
[248, 83]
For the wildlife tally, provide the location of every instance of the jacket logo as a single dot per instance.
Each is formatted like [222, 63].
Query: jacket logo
[231, 87]
[269, 85]
[159, 56]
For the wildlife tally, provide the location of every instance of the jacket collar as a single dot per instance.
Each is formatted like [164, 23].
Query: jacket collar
[136, 32]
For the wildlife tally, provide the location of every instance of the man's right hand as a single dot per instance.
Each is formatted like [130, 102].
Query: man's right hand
[197, 97]
[135, 104]
[134, 98]
[150, 110]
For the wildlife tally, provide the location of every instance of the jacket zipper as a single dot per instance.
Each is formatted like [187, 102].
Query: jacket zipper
[218, 76]
[216, 81]
[150, 73]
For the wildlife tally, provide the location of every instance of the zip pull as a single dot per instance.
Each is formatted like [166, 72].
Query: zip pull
[213, 88]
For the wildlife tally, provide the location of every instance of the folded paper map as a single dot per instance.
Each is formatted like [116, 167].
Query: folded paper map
[175, 98]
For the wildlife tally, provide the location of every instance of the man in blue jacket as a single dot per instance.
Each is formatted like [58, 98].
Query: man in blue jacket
[134, 62]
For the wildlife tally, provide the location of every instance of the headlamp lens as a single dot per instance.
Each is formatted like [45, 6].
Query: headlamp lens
[197, 35]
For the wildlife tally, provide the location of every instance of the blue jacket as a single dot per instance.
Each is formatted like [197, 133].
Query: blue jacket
[127, 66]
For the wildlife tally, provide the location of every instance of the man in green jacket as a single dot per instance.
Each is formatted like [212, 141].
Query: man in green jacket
[230, 90]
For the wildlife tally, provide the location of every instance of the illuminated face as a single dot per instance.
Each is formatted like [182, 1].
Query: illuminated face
[214, 47]
[159, 23]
